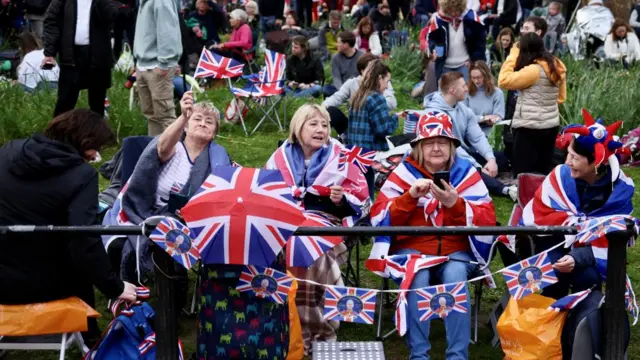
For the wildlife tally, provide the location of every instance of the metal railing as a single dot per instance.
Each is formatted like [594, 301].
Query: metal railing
[166, 315]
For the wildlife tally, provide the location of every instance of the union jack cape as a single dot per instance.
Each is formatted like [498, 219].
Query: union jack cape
[467, 181]
[355, 185]
[557, 203]
[438, 20]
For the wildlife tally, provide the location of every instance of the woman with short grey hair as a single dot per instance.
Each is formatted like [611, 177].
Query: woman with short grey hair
[240, 40]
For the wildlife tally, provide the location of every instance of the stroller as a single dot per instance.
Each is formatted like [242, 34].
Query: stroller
[585, 36]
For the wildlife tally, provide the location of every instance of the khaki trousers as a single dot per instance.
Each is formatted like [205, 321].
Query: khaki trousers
[156, 99]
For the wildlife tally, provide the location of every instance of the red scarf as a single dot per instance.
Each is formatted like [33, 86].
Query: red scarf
[455, 22]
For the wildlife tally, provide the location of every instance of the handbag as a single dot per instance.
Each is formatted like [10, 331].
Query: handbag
[125, 62]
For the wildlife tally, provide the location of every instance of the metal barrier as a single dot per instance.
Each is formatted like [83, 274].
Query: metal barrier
[166, 316]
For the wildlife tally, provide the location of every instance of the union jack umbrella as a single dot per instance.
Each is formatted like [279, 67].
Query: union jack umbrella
[265, 283]
[242, 216]
[438, 301]
[175, 238]
[217, 66]
[303, 251]
[570, 301]
[529, 275]
[360, 157]
[349, 304]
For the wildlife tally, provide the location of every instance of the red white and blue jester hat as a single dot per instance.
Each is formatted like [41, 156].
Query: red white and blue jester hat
[599, 139]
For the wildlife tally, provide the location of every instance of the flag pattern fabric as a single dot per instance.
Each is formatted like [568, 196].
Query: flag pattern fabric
[217, 66]
[570, 301]
[557, 203]
[115, 216]
[529, 276]
[270, 79]
[265, 283]
[175, 238]
[439, 20]
[242, 216]
[349, 304]
[356, 155]
[468, 183]
[440, 300]
[594, 229]
[304, 250]
[147, 344]
[630, 301]
[356, 191]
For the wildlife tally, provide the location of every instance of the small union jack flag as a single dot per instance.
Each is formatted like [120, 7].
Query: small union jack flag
[175, 238]
[266, 283]
[529, 275]
[217, 66]
[594, 229]
[438, 301]
[360, 157]
[570, 301]
[630, 301]
[349, 304]
[270, 79]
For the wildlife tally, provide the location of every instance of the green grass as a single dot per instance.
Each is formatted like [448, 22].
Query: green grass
[21, 115]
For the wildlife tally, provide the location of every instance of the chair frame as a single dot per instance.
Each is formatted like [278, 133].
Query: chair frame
[67, 340]
[266, 114]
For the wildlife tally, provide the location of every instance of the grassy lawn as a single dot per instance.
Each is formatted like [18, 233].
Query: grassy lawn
[21, 115]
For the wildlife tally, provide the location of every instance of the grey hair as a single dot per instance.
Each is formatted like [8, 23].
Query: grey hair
[251, 4]
[239, 14]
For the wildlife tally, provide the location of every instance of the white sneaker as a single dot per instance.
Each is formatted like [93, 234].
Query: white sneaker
[512, 191]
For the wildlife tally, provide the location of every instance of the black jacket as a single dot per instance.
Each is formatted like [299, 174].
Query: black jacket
[60, 30]
[271, 8]
[307, 70]
[509, 15]
[46, 182]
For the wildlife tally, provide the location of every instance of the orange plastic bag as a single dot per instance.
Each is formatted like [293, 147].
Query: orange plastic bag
[54, 317]
[296, 344]
[529, 331]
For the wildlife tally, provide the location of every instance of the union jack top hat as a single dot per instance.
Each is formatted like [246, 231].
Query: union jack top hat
[434, 124]
[597, 138]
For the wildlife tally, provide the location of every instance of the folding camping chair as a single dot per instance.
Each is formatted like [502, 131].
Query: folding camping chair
[262, 89]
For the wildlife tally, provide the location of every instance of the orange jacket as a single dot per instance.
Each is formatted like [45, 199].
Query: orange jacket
[404, 211]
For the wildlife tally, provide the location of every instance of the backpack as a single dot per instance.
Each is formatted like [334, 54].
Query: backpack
[130, 335]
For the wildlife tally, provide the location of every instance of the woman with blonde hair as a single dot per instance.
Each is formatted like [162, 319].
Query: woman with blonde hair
[308, 161]
[369, 118]
[367, 39]
[485, 99]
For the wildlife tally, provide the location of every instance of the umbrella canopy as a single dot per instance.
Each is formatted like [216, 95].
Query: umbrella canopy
[242, 216]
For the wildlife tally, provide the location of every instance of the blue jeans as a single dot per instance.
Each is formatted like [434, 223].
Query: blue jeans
[463, 69]
[457, 325]
[314, 90]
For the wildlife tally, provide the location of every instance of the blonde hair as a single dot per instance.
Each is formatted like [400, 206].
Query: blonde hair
[304, 113]
[416, 153]
[207, 108]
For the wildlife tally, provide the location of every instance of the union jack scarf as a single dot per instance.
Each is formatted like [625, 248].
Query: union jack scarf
[479, 210]
[322, 172]
[557, 203]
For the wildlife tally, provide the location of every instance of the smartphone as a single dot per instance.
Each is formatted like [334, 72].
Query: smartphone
[440, 51]
[440, 175]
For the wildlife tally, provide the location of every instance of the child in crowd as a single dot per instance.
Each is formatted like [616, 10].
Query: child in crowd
[556, 23]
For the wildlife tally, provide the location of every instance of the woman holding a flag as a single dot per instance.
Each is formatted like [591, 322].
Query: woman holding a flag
[586, 190]
[332, 191]
[411, 196]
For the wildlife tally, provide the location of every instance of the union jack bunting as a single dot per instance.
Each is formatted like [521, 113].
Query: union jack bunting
[594, 229]
[265, 283]
[349, 304]
[438, 301]
[630, 301]
[270, 80]
[556, 203]
[356, 155]
[570, 301]
[217, 66]
[175, 238]
[242, 216]
[304, 250]
[529, 275]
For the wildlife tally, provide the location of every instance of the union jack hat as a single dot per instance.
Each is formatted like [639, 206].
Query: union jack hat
[434, 124]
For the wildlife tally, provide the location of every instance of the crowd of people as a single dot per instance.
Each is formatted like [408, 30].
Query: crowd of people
[47, 179]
